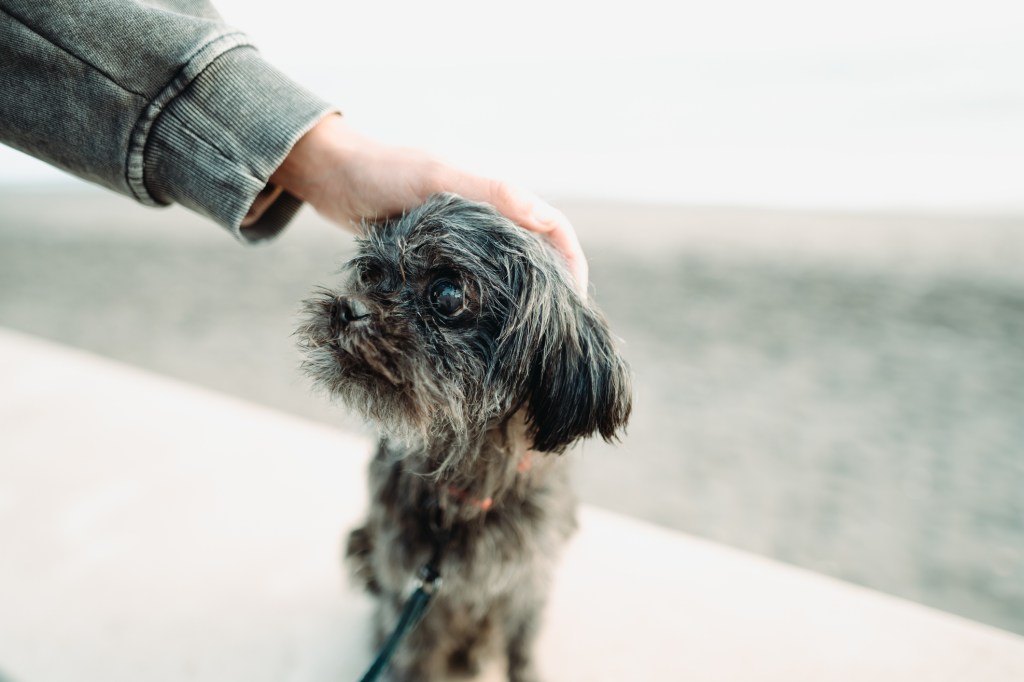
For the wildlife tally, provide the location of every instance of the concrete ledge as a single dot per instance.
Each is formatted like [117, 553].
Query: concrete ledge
[154, 531]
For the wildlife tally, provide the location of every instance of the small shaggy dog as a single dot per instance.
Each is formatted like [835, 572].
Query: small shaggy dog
[461, 336]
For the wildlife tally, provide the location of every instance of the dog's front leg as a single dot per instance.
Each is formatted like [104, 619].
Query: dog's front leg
[523, 624]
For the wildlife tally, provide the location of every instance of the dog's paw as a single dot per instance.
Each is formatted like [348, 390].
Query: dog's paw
[465, 662]
[520, 667]
[527, 674]
[358, 554]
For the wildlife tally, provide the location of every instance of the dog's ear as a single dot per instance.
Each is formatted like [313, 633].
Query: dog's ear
[579, 385]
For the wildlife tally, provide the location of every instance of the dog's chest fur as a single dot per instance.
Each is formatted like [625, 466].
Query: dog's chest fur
[496, 565]
[487, 552]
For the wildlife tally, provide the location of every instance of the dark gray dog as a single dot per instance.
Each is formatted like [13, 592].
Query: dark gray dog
[462, 337]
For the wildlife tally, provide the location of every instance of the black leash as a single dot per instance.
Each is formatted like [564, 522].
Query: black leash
[427, 584]
[412, 613]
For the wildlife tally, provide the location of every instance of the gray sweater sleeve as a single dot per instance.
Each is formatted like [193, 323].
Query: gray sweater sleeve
[159, 100]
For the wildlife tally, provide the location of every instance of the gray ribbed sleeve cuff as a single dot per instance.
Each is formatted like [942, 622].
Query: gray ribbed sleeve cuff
[215, 143]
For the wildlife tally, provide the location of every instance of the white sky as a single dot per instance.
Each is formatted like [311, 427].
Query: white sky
[866, 104]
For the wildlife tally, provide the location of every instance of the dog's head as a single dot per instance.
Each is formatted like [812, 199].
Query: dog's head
[452, 321]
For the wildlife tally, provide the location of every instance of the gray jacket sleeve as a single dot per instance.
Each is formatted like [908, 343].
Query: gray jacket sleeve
[156, 99]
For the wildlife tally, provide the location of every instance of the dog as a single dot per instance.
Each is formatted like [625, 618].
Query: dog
[463, 339]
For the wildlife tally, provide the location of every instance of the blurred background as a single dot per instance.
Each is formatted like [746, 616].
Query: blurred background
[805, 220]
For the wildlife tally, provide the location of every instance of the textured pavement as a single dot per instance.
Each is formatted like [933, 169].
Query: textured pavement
[153, 530]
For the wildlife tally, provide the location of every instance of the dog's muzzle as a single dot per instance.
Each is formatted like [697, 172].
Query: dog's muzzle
[347, 311]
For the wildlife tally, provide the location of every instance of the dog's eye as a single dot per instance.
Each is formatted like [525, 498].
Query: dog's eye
[370, 274]
[446, 297]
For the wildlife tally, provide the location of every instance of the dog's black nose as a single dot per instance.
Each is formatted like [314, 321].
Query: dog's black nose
[348, 310]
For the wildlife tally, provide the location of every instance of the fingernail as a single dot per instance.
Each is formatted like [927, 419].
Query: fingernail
[543, 213]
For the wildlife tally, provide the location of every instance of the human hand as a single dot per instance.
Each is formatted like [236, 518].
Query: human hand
[349, 178]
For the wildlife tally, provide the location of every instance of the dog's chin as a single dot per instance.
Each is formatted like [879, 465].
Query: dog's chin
[392, 413]
[375, 390]
[363, 360]
[356, 373]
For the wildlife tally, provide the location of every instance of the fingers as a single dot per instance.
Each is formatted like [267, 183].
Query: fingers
[529, 211]
[564, 238]
[553, 224]
[559, 231]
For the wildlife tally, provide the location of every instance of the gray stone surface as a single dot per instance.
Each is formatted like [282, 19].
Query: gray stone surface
[153, 530]
[843, 392]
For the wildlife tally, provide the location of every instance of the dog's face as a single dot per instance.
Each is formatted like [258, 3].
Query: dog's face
[452, 321]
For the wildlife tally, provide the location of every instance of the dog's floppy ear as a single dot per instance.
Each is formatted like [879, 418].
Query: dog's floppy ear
[579, 385]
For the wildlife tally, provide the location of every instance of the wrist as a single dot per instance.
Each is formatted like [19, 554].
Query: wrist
[308, 169]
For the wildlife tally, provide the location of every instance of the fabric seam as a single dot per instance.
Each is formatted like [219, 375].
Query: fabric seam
[184, 126]
[200, 60]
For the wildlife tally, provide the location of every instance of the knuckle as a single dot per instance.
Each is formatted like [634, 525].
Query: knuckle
[502, 194]
[434, 174]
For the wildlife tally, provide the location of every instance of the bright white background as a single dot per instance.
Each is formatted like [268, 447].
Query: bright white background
[868, 104]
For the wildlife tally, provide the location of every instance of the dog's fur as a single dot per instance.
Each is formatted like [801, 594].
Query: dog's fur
[474, 406]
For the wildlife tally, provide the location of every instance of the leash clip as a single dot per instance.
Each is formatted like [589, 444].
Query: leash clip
[428, 579]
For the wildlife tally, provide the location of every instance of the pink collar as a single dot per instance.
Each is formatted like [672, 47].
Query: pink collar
[485, 504]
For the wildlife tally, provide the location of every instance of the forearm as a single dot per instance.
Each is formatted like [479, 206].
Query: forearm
[164, 106]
